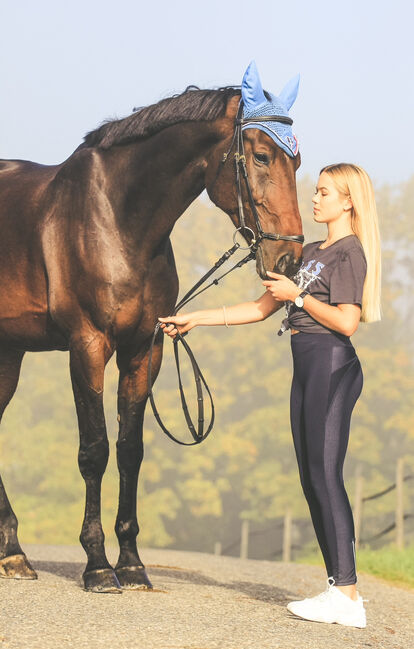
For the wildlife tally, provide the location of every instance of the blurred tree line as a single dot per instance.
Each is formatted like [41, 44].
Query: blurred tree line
[189, 498]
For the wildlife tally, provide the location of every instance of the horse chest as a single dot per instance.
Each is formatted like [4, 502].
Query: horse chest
[138, 313]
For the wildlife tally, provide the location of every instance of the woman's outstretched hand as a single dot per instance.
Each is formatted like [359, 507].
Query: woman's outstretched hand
[174, 324]
[281, 287]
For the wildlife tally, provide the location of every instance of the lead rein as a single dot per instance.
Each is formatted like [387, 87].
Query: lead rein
[198, 435]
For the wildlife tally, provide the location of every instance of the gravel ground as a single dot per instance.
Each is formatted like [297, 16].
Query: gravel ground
[199, 601]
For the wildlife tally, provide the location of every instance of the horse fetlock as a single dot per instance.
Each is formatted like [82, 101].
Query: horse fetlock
[92, 539]
[9, 543]
[127, 530]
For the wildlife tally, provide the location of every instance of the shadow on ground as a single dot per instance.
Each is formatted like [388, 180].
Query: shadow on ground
[259, 592]
[65, 569]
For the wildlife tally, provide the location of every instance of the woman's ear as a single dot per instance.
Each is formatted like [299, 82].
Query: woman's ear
[348, 205]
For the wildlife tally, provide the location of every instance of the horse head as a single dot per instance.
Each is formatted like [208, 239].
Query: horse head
[271, 158]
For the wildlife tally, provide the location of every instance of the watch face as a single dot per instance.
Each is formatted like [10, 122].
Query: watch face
[299, 301]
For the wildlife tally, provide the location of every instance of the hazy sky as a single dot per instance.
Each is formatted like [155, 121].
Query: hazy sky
[66, 66]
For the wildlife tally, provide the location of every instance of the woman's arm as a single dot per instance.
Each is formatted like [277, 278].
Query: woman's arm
[238, 314]
[343, 318]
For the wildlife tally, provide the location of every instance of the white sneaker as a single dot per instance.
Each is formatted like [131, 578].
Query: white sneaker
[331, 606]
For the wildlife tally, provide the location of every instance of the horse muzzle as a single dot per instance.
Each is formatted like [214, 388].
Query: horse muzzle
[287, 264]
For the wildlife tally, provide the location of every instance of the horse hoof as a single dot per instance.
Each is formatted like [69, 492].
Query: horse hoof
[16, 566]
[133, 578]
[101, 581]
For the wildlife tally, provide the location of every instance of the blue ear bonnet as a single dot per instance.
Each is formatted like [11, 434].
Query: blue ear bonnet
[282, 134]
[257, 105]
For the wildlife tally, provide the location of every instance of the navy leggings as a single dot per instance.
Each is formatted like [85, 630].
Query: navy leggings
[327, 381]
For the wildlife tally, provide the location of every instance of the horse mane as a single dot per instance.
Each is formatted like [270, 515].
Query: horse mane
[192, 105]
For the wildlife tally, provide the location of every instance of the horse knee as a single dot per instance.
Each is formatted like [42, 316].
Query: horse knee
[93, 458]
[129, 453]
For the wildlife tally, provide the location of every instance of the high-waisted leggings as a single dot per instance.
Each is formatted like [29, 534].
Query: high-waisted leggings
[327, 381]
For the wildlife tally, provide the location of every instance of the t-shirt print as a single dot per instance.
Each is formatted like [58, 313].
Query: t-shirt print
[333, 275]
[307, 274]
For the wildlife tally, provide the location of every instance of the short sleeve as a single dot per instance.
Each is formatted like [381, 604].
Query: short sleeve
[348, 277]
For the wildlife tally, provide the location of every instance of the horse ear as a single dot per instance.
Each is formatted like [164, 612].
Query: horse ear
[252, 91]
[290, 92]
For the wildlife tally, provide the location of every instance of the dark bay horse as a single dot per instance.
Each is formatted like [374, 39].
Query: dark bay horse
[87, 266]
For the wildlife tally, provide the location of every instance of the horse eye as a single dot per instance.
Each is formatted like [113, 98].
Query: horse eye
[262, 157]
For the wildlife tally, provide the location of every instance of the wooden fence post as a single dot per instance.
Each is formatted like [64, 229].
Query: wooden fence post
[287, 535]
[244, 543]
[359, 485]
[399, 504]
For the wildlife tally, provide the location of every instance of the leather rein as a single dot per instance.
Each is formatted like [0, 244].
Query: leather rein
[198, 433]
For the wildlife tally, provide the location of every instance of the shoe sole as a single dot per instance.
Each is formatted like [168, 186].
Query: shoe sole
[312, 619]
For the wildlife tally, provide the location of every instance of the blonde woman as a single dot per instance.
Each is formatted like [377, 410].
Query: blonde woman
[337, 286]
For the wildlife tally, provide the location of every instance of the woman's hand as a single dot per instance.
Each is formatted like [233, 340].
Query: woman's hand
[281, 287]
[174, 324]
[238, 314]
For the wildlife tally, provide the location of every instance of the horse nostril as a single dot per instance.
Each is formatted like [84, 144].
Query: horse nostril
[287, 265]
[283, 263]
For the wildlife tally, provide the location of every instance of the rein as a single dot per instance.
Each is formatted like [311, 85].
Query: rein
[198, 435]
[241, 174]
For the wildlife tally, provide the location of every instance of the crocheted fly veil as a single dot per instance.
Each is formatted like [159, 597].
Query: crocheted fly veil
[256, 104]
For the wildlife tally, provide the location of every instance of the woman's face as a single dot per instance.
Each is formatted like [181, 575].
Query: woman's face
[328, 204]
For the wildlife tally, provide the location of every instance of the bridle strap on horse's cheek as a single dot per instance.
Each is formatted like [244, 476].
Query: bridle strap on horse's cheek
[240, 161]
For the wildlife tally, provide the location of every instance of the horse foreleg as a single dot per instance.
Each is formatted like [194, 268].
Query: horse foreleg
[13, 561]
[87, 364]
[132, 398]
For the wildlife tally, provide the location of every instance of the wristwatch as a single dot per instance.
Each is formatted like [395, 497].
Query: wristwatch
[299, 299]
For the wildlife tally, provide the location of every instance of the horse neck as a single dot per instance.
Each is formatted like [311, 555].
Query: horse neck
[154, 180]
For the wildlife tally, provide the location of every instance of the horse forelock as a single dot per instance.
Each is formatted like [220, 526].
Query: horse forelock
[193, 105]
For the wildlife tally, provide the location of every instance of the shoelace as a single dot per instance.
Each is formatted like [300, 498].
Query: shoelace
[323, 596]
[326, 594]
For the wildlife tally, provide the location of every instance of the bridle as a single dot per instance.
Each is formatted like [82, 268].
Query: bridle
[241, 173]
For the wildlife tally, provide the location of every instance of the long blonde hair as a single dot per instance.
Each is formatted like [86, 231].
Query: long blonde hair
[353, 181]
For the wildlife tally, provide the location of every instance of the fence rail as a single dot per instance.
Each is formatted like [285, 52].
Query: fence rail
[289, 524]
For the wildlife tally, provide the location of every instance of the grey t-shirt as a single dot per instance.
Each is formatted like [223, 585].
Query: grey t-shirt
[334, 275]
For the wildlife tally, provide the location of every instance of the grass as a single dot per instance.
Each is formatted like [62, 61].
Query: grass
[388, 563]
